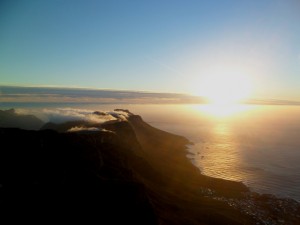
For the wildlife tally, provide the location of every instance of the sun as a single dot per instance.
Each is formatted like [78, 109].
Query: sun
[226, 89]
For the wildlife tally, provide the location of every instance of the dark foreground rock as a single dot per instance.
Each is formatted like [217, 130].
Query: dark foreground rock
[47, 175]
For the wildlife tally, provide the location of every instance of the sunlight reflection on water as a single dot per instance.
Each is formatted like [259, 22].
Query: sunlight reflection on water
[255, 146]
[258, 145]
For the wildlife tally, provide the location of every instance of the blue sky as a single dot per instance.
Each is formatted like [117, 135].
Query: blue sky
[163, 46]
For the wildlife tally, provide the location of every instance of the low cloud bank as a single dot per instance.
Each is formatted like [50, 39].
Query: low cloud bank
[61, 115]
[88, 129]
[15, 94]
[79, 129]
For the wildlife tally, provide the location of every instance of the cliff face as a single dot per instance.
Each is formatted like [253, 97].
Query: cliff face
[179, 199]
[188, 197]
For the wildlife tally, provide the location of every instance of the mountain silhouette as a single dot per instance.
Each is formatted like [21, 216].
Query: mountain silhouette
[9, 118]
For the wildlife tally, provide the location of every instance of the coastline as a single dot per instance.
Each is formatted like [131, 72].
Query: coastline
[264, 208]
[167, 187]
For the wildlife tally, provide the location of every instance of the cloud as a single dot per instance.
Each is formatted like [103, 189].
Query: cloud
[67, 114]
[80, 95]
[271, 102]
[88, 129]
[60, 115]
[79, 129]
[119, 115]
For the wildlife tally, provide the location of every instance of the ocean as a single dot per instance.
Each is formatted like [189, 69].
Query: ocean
[257, 145]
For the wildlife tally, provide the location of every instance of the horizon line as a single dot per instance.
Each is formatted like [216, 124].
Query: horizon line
[258, 101]
[94, 88]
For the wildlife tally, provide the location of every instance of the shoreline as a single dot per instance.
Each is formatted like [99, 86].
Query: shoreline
[151, 163]
[191, 151]
[264, 208]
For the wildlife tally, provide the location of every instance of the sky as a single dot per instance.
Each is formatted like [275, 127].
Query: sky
[162, 46]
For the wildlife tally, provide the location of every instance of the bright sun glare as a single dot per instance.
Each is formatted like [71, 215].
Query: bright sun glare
[226, 89]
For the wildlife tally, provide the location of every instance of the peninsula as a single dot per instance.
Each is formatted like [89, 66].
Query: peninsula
[121, 171]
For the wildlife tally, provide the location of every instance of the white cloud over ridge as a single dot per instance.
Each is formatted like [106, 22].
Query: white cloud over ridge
[79, 129]
[60, 115]
[88, 129]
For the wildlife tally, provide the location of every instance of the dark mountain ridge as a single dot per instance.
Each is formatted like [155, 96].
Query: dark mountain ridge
[9, 118]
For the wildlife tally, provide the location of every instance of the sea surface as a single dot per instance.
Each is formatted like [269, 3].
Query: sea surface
[258, 145]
